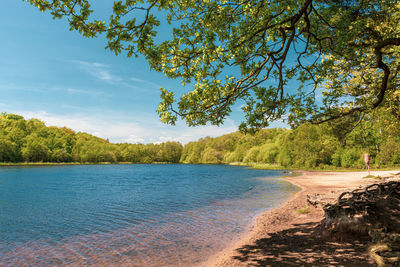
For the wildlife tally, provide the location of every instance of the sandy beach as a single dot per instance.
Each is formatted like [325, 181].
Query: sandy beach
[285, 237]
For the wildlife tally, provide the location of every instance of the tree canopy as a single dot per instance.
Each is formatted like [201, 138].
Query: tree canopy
[302, 60]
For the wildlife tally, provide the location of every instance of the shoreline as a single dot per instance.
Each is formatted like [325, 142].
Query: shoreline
[247, 165]
[283, 236]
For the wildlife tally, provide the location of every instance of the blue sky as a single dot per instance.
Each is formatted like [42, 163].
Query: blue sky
[64, 79]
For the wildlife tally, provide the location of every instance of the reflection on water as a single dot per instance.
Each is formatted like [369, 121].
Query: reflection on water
[136, 221]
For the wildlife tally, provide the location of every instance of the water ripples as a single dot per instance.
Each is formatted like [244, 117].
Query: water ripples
[129, 228]
[176, 239]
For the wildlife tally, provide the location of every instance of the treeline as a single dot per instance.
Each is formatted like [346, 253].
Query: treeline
[340, 143]
[31, 141]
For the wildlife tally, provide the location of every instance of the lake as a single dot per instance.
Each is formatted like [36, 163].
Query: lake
[135, 215]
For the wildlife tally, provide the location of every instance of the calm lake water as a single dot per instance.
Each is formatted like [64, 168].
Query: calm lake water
[134, 215]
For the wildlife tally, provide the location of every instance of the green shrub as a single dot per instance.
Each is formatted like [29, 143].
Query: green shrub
[349, 157]
[302, 211]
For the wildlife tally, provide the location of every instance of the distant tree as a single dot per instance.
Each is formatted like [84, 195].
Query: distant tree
[171, 152]
[192, 152]
[8, 150]
[35, 149]
[252, 154]
[389, 153]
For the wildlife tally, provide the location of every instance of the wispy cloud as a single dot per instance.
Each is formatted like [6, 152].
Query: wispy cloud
[97, 70]
[149, 83]
[17, 87]
[138, 80]
[86, 92]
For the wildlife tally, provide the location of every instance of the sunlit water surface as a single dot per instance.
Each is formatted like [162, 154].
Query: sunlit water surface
[132, 215]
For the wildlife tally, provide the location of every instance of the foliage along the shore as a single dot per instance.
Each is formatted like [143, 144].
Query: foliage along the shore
[31, 141]
[335, 144]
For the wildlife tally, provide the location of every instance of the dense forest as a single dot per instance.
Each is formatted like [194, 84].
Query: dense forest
[336, 144]
[31, 141]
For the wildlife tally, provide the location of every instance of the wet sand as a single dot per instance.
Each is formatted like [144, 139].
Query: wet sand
[285, 237]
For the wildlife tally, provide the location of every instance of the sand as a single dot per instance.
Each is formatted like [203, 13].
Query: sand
[285, 237]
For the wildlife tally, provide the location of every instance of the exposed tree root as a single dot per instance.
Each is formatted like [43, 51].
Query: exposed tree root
[374, 211]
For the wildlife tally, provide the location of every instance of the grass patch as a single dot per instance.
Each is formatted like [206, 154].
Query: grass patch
[303, 211]
[373, 177]
[265, 166]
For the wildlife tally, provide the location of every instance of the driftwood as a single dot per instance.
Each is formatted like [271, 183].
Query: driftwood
[374, 211]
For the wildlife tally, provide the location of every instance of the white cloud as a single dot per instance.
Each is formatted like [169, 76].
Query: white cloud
[120, 128]
[185, 134]
[281, 123]
[101, 127]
